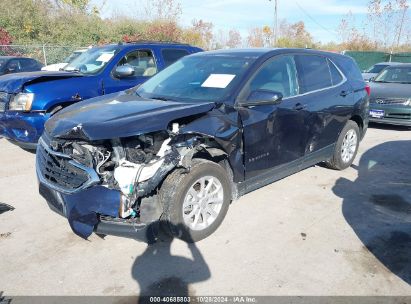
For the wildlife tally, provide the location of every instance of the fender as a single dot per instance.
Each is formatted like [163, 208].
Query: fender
[223, 125]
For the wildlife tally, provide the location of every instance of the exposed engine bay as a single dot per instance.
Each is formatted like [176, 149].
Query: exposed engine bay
[136, 165]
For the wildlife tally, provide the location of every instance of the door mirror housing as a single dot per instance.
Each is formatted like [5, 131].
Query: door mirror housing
[263, 97]
[124, 71]
[371, 79]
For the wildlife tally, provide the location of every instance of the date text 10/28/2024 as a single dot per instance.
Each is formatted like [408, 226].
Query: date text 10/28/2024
[204, 299]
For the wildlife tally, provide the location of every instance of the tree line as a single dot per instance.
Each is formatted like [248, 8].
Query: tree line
[387, 27]
[79, 23]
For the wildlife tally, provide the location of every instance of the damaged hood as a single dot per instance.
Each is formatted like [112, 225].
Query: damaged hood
[120, 115]
[14, 83]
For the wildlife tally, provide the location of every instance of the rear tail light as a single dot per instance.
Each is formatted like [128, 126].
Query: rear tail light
[368, 89]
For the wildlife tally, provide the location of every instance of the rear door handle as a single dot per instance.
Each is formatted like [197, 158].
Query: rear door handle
[299, 107]
[345, 93]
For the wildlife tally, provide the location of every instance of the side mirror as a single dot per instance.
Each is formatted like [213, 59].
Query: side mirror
[263, 97]
[371, 79]
[124, 71]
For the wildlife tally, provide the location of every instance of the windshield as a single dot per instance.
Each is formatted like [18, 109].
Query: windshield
[377, 68]
[210, 78]
[93, 60]
[72, 56]
[395, 75]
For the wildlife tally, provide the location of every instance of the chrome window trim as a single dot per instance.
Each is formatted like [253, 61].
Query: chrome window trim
[93, 176]
[344, 79]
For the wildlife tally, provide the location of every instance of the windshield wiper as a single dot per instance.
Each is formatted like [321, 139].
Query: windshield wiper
[72, 70]
[162, 98]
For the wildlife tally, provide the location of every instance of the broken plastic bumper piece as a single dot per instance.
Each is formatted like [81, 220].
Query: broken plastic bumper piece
[76, 194]
[83, 211]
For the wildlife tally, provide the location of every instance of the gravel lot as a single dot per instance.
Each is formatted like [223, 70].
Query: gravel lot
[318, 232]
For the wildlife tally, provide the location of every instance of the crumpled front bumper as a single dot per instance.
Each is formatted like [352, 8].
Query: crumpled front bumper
[93, 209]
[82, 212]
[22, 129]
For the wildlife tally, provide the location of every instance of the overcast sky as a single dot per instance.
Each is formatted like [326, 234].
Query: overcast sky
[320, 16]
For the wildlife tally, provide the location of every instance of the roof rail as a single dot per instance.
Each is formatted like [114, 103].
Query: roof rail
[153, 41]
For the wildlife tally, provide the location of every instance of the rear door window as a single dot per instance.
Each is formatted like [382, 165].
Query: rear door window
[314, 73]
[28, 65]
[172, 55]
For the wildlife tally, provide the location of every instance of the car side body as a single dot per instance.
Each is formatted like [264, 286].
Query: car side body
[15, 64]
[247, 117]
[28, 100]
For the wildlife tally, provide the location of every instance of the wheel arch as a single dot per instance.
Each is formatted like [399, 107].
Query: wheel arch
[53, 109]
[210, 149]
[359, 121]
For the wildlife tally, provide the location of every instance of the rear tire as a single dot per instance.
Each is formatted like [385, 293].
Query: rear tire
[346, 147]
[195, 202]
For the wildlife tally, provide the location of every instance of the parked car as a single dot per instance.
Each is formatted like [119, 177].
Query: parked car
[27, 100]
[11, 64]
[390, 100]
[206, 130]
[59, 66]
[376, 69]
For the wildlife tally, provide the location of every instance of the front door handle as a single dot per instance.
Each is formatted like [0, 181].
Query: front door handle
[299, 107]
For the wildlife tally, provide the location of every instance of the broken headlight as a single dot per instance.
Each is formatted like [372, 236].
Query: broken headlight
[21, 102]
[143, 148]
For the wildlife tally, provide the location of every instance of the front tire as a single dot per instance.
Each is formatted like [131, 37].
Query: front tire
[195, 203]
[346, 147]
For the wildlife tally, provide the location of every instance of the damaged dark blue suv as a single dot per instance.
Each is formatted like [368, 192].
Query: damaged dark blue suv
[206, 130]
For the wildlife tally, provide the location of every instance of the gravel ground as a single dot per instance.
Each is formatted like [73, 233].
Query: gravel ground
[318, 232]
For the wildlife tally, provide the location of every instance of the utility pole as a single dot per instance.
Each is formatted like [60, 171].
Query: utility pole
[275, 21]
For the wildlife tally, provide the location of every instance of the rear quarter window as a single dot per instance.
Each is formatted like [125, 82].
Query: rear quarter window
[172, 55]
[349, 67]
[336, 76]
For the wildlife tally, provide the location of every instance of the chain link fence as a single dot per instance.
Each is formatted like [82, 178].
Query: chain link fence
[367, 59]
[46, 54]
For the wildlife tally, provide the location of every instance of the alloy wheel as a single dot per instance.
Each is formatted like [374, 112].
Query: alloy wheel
[203, 202]
[349, 146]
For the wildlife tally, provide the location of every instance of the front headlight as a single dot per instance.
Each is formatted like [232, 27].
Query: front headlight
[21, 102]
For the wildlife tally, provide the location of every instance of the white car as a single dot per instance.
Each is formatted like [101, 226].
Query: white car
[61, 65]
